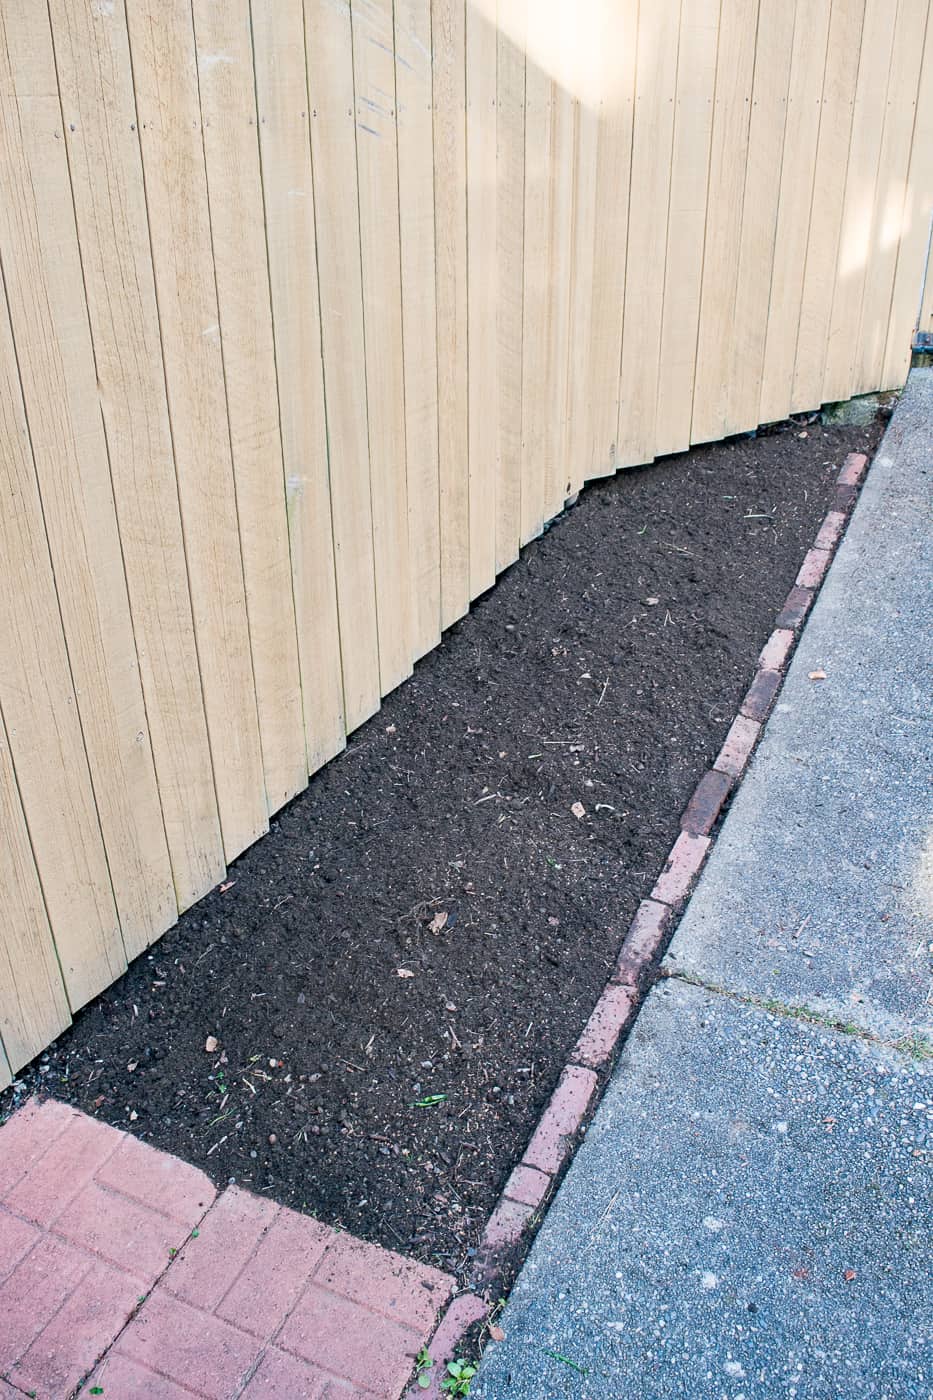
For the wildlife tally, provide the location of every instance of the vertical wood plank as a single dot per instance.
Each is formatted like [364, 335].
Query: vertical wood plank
[39, 251]
[377, 166]
[535, 293]
[415, 125]
[655, 87]
[829, 183]
[888, 220]
[450, 221]
[759, 217]
[100, 118]
[861, 182]
[328, 47]
[556, 329]
[582, 286]
[906, 311]
[804, 100]
[166, 80]
[482, 296]
[693, 121]
[613, 182]
[38, 702]
[285, 152]
[510, 221]
[231, 153]
[33, 1004]
[731, 117]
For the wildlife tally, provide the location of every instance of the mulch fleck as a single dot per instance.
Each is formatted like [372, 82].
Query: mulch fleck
[394, 977]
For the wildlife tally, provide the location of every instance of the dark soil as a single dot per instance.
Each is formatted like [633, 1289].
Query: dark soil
[396, 973]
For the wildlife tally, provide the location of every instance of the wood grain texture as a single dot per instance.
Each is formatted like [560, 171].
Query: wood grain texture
[510, 237]
[288, 197]
[227, 88]
[100, 123]
[42, 263]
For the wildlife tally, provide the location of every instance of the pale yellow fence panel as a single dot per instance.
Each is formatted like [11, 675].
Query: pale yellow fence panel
[316, 313]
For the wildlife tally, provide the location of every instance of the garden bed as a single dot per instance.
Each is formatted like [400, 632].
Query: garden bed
[394, 976]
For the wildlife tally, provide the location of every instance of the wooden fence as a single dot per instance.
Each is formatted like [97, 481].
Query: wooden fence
[314, 315]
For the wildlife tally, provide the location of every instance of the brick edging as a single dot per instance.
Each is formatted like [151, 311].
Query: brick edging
[579, 1087]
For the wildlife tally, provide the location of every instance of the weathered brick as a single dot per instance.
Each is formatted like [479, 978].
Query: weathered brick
[704, 806]
[561, 1119]
[760, 695]
[122, 1379]
[280, 1376]
[84, 1327]
[26, 1135]
[680, 869]
[796, 606]
[379, 1279]
[505, 1227]
[271, 1282]
[340, 1336]
[854, 469]
[121, 1231]
[600, 1034]
[739, 742]
[228, 1235]
[776, 649]
[831, 530]
[34, 1292]
[158, 1180]
[813, 568]
[844, 497]
[642, 942]
[188, 1346]
[17, 1237]
[527, 1185]
[459, 1317]
[65, 1168]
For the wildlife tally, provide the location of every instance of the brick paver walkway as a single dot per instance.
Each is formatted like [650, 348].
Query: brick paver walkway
[122, 1267]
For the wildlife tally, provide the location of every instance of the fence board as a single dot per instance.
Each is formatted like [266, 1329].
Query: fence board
[887, 226]
[42, 264]
[333, 154]
[759, 214]
[690, 156]
[535, 297]
[288, 195]
[557, 481]
[415, 123]
[510, 230]
[655, 87]
[237, 221]
[38, 703]
[377, 167]
[100, 120]
[166, 80]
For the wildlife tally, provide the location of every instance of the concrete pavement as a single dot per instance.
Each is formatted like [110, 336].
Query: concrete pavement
[751, 1214]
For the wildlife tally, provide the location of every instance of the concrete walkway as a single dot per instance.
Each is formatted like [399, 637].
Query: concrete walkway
[751, 1214]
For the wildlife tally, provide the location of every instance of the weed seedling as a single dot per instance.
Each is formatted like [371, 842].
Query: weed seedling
[431, 1101]
[458, 1378]
[423, 1363]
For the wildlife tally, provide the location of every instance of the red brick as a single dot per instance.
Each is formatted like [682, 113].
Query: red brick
[704, 806]
[121, 1231]
[505, 1226]
[377, 1278]
[760, 695]
[34, 1292]
[337, 1334]
[528, 1186]
[796, 606]
[776, 649]
[843, 497]
[158, 1180]
[122, 1379]
[830, 530]
[282, 1377]
[26, 1135]
[67, 1165]
[739, 742]
[601, 1032]
[561, 1119]
[78, 1334]
[189, 1347]
[209, 1265]
[853, 470]
[643, 940]
[680, 869]
[270, 1285]
[813, 568]
[453, 1326]
[16, 1239]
